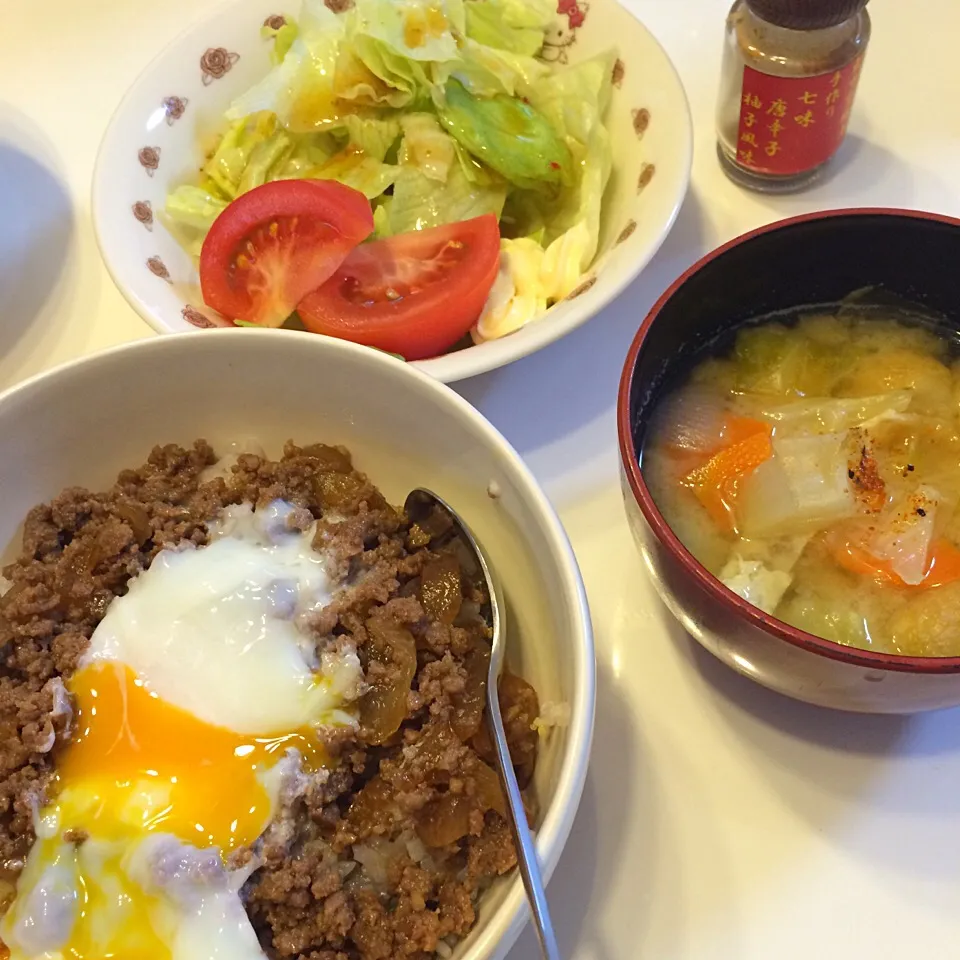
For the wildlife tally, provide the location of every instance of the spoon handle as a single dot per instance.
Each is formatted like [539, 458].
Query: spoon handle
[527, 859]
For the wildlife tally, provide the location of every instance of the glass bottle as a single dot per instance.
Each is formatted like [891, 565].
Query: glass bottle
[788, 81]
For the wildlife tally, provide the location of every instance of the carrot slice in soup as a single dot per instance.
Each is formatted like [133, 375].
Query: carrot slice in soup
[944, 564]
[716, 483]
[857, 560]
[942, 568]
[738, 429]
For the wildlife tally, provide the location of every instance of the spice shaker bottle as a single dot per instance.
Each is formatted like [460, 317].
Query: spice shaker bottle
[789, 77]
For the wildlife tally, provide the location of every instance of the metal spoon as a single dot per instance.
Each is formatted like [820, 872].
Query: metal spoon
[420, 503]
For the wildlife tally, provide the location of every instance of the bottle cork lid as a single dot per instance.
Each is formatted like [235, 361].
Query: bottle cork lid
[806, 14]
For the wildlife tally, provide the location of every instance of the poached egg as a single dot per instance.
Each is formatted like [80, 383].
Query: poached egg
[199, 694]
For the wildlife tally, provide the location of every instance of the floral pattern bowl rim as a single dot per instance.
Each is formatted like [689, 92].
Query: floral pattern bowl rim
[155, 140]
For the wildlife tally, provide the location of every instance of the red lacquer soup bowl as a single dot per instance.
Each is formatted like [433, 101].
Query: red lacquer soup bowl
[810, 260]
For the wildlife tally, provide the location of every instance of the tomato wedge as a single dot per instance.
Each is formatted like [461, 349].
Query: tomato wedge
[278, 242]
[415, 294]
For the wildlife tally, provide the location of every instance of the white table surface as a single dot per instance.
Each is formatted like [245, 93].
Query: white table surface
[719, 821]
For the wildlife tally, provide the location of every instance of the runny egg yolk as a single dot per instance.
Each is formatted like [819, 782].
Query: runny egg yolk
[139, 763]
[199, 697]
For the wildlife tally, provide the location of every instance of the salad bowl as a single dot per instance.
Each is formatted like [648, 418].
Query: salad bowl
[171, 118]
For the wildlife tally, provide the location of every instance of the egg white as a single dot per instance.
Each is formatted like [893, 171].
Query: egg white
[216, 637]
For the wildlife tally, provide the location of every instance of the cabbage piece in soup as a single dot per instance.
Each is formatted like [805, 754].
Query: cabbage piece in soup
[814, 468]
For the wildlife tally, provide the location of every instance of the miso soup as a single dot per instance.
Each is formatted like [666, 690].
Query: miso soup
[814, 468]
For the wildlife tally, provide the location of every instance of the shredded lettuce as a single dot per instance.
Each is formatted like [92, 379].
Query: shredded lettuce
[485, 71]
[389, 50]
[372, 136]
[300, 90]
[189, 213]
[194, 207]
[472, 169]
[583, 202]
[282, 36]
[235, 150]
[437, 182]
[575, 98]
[255, 151]
[426, 146]
[381, 217]
[515, 25]
[309, 151]
[419, 30]
[369, 73]
[357, 170]
[574, 101]
[508, 135]
[420, 202]
[437, 111]
[265, 157]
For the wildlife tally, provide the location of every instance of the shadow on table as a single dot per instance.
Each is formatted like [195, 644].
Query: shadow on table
[861, 734]
[858, 154]
[883, 787]
[870, 735]
[36, 226]
[859, 160]
[592, 354]
[590, 861]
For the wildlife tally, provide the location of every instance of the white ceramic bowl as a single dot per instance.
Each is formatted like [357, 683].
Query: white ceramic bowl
[81, 423]
[153, 143]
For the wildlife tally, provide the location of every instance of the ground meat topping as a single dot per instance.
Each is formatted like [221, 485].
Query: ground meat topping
[384, 853]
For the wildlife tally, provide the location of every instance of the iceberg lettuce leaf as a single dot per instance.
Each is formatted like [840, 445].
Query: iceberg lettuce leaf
[355, 169]
[265, 158]
[426, 146]
[582, 203]
[381, 217]
[188, 214]
[225, 168]
[486, 72]
[574, 99]
[309, 151]
[508, 135]
[417, 30]
[515, 25]
[373, 136]
[369, 74]
[194, 207]
[300, 90]
[282, 36]
[419, 202]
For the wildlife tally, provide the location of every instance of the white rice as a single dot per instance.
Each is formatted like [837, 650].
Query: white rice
[552, 714]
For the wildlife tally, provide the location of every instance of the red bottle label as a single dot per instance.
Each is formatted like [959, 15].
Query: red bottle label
[791, 125]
